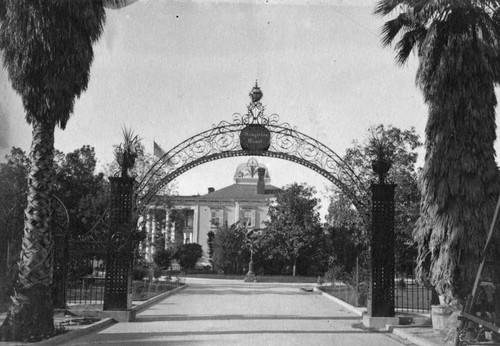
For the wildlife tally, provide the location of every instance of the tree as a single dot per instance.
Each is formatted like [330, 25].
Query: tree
[14, 184]
[293, 227]
[458, 50]
[47, 50]
[230, 255]
[83, 192]
[189, 254]
[401, 146]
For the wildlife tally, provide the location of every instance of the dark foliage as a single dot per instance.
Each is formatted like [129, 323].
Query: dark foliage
[230, 255]
[189, 254]
[293, 232]
[163, 256]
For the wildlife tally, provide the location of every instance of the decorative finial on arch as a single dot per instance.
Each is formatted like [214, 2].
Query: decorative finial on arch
[256, 93]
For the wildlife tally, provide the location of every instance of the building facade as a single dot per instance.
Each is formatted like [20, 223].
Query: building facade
[174, 220]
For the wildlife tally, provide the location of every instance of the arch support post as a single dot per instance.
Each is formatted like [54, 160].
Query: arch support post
[118, 281]
[381, 293]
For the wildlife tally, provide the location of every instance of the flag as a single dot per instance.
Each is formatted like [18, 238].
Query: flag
[158, 151]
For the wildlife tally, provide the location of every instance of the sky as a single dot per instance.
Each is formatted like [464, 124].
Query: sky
[171, 69]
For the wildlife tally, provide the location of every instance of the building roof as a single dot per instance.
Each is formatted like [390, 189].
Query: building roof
[241, 191]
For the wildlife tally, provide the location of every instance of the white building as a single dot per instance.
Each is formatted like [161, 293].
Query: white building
[246, 201]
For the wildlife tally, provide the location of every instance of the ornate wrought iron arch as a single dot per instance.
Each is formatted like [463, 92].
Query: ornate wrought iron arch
[223, 141]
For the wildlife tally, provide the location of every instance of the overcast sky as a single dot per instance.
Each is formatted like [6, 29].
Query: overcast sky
[171, 69]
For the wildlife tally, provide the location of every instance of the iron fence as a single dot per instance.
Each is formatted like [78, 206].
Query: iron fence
[86, 274]
[410, 296]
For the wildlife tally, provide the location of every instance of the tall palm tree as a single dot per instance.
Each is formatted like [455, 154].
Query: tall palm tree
[47, 50]
[457, 42]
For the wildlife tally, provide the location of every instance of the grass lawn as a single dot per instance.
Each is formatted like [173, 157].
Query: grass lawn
[260, 278]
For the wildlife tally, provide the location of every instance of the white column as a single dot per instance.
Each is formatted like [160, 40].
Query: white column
[153, 233]
[172, 232]
[147, 248]
[196, 230]
[165, 230]
[237, 212]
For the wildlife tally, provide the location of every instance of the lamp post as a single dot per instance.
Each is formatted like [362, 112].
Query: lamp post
[250, 242]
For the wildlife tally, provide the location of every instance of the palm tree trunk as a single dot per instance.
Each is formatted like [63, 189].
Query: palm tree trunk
[459, 181]
[30, 316]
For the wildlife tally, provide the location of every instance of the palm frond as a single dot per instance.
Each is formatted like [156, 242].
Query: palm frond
[409, 40]
[116, 4]
[3, 10]
[392, 27]
[385, 7]
[427, 10]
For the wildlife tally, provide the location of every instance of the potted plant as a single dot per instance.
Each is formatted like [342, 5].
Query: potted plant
[381, 149]
[128, 151]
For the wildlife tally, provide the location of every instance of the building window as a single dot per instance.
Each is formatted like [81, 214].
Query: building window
[249, 218]
[216, 218]
[189, 219]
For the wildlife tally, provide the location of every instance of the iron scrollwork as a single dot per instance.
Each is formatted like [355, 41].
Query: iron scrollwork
[223, 140]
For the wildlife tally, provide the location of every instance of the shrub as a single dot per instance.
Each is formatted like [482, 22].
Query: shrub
[189, 254]
[335, 273]
[140, 273]
[162, 257]
[230, 256]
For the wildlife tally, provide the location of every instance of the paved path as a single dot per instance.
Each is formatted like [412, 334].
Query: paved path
[235, 313]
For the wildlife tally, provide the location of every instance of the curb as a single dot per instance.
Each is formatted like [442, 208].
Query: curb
[340, 302]
[402, 333]
[104, 323]
[151, 301]
[60, 339]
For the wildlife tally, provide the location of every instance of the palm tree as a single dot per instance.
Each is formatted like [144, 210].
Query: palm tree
[457, 42]
[47, 50]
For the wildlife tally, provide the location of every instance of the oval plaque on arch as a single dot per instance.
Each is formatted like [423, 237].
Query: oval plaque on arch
[255, 137]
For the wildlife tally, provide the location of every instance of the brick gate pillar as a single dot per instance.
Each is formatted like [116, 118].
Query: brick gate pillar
[381, 293]
[118, 286]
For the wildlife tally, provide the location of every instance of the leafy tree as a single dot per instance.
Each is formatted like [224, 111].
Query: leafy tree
[13, 179]
[458, 53]
[230, 255]
[293, 227]
[83, 192]
[189, 254]
[345, 221]
[345, 248]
